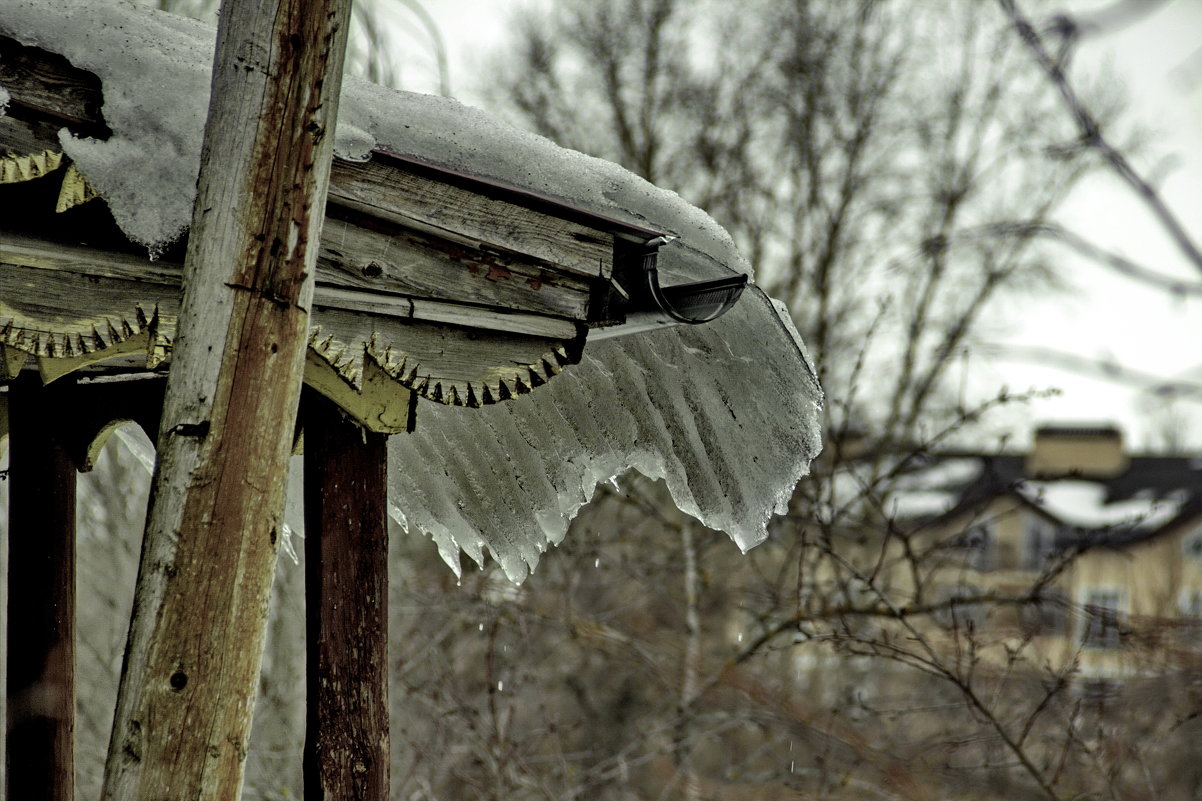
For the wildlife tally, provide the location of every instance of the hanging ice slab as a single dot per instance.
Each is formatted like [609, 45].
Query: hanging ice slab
[728, 413]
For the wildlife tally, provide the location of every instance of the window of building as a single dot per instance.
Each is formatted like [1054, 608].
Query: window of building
[1103, 618]
[1039, 545]
[1045, 616]
[1191, 603]
[1100, 693]
[979, 547]
[1192, 545]
[960, 611]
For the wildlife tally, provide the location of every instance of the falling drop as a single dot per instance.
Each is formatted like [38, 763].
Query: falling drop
[500, 686]
[597, 562]
[740, 637]
[481, 627]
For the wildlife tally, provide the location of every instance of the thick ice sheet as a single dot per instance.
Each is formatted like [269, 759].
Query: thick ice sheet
[724, 413]
[728, 413]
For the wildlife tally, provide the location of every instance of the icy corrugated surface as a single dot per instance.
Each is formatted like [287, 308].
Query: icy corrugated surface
[728, 413]
[1083, 504]
[728, 423]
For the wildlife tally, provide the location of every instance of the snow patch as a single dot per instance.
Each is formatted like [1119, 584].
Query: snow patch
[1083, 504]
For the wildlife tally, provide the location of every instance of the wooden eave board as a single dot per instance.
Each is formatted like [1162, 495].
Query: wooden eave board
[522, 197]
[550, 242]
[369, 254]
[47, 87]
[412, 200]
[77, 308]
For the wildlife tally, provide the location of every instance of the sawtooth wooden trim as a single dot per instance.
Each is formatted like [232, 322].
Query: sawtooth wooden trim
[377, 403]
[524, 350]
[17, 168]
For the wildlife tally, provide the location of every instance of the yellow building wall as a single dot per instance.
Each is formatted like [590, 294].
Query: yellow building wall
[1153, 578]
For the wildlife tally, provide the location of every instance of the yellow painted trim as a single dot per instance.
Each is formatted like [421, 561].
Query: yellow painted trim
[11, 361]
[75, 190]
[15, 169]
[54, 368]
[380, 404]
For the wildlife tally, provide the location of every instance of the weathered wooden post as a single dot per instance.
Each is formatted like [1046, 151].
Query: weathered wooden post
[346, 606]
[40, 755]
[196, 637]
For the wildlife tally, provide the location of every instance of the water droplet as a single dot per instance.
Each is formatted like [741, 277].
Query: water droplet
[597, 562]
[500, 686]
[481, 627]
[740, 637]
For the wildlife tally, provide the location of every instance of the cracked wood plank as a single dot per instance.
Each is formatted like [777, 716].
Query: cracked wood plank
[391, 192]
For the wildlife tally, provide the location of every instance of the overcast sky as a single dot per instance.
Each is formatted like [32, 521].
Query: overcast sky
[1107, 318]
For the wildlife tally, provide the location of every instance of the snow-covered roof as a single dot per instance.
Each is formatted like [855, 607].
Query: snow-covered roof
[728, 414]
[1152, 494]
[155, 70]
[1084, 505]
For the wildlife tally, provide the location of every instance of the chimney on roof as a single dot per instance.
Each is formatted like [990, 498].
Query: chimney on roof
[1084, 451]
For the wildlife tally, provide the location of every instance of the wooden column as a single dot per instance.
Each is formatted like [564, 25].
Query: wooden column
[40, 755]
[346, 589]
[196, 636]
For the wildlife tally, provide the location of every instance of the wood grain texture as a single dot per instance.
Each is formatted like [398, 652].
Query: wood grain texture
[67, 315]
[346, 607]
[40, 753]
[23, 136]
[47, 85]
[361, 253]
[394, 194]
[196, 637]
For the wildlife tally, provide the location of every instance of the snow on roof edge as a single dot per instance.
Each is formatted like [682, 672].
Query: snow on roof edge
[155, 70]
